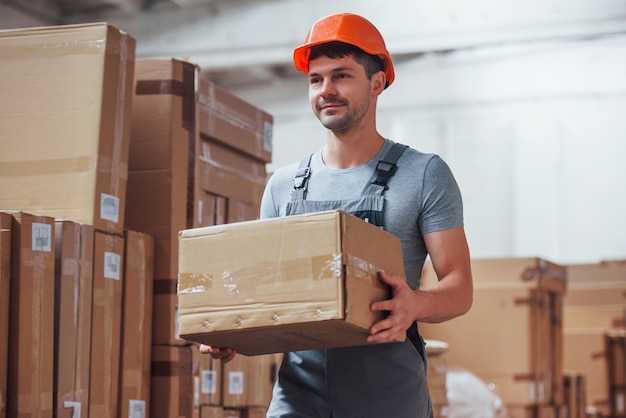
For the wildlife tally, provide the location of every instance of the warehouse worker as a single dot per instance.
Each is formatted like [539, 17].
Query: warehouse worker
[410, 194]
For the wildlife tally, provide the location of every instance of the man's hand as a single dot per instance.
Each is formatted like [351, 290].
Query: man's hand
[400, 308]
[223, 354]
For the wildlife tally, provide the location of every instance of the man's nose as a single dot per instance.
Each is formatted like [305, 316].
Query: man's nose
[328, 88]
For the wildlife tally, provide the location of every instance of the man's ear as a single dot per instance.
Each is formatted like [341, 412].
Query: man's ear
[379, 81]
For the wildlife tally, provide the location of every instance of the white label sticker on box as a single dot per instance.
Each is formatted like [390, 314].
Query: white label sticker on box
[109, 207]
[209, 383]
[136, 409]
[42, 237]
[235, 383]
[112, 266]
[75, 405]
[267, 136]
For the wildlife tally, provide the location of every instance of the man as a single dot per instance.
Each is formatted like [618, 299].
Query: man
[408, 193]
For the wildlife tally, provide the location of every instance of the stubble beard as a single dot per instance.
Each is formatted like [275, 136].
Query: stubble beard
[341, 123]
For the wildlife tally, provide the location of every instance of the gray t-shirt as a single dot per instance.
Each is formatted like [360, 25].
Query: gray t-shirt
[423, 197]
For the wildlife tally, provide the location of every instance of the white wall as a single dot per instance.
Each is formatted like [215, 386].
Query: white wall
[535, 134]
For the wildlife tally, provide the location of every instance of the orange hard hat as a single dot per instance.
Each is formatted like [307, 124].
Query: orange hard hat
[347, 28]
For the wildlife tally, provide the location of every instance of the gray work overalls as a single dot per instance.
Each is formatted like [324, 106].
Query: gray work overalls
[373, 381]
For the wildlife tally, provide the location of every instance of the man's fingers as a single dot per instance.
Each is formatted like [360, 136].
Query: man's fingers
[223, 354]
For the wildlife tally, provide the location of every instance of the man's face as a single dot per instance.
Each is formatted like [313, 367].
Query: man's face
[339, 92]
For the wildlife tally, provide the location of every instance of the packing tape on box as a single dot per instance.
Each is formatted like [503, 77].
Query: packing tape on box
[246, 280]
[48, 167]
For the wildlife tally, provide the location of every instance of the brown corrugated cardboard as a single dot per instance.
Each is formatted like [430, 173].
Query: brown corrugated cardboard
[31, 316]
[437, 371]
[5, 277]
[253, 412]
[513, 352]
[166, 192]
[108, 278]
[575, 393]
[533, 272]
[522, 301]
[211, 412]
[241, 211]
[207, 379]
[282, 284]
[260, 382]
[615, 343]
[171, 384]
[66, 126]
[230, 173]
[136, 342]
[584, 351]
[608, 271]
[227, 118]
[235, 382]
[73, 296]
[163, 130]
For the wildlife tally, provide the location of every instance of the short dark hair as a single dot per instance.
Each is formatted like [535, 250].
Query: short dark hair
[371, 63]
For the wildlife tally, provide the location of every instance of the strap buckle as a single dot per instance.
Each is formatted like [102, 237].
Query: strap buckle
[384, 171]
[300, 177]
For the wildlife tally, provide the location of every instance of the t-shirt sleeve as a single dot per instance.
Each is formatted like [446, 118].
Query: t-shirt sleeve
[268, 206]
[441, 199]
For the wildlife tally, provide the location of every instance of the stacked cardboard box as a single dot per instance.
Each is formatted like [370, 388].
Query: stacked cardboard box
[575, 394]
[63, 172]
[437, 375]
[512, 336]
[66, 125]
[31, 316]
[5, 275]
[615, 342]
[74, 252]
[136, 331]
[197, 158]
[594, 304]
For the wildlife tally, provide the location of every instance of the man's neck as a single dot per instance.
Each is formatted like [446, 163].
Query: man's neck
[346, 151]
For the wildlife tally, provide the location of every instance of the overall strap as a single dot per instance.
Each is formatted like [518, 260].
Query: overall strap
[385, 168]
[301, 179]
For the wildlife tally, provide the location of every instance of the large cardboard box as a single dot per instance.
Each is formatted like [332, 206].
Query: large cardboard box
[207, 374]
[261, 379]
[31, 317]
[162, 139]
[5, 277]
[235, 382]
[575, 393]
[512, 338]
[171, 385]
[74, 250]
[615, 343]
[226, 118]
[66, 125]
[585, 352]
[136, 339]
[177, 180]
[284, 284]
[594, 305]
[223, 171]
[108, 278]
